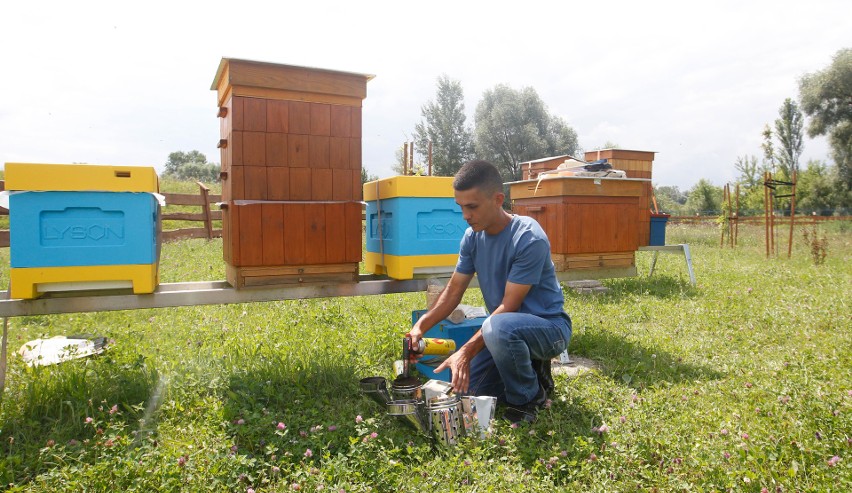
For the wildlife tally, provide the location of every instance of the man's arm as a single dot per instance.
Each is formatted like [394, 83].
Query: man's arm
[513, 297]
[450, 298]
[459, 362]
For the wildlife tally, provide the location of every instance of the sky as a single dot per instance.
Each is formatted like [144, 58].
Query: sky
[127, 83]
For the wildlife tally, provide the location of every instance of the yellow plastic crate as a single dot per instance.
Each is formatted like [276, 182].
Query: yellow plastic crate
[80, 177]
[32, 282]
[408, 266]
[409, 186]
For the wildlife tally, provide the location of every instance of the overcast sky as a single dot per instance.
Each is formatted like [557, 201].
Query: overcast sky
[129, 82]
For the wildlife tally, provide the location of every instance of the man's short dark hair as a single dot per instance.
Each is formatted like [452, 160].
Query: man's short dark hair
[478, 174]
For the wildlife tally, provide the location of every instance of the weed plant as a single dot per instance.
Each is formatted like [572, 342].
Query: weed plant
[741, 383]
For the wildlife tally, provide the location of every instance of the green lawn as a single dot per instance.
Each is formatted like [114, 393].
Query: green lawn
[741, 383]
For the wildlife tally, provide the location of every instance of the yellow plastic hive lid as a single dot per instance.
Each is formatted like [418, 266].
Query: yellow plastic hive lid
[409, 186]
[80, 177]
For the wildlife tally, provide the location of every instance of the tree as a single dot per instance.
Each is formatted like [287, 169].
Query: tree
[367, 176]
[607, 145]
[768, 149]
[814, 191]
[444, 125]
[750, 172]
[191, 165]
[670, 199]
[826, 98]
[788, 130]
[515, 126]
[704, 198]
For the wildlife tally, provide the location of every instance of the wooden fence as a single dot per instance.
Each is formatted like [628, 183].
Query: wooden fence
[204, 199]
[800, 219]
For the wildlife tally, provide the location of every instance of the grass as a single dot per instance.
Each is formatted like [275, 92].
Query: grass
[740, 383]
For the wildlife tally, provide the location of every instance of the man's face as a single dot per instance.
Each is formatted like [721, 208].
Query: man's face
[481, 210]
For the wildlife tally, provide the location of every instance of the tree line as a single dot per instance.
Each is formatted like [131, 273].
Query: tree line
[514, 126]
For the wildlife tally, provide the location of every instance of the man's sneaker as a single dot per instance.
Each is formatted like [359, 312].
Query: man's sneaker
[542, 372]
[527, 412]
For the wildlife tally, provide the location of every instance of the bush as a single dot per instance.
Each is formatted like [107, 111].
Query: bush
[206, 172]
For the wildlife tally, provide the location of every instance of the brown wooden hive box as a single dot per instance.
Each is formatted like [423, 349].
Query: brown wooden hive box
[531, 169]
[290, 140]
[635, 164]
[591, 223]
[288, 234]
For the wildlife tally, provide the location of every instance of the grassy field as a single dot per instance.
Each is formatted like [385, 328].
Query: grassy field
[742, 383]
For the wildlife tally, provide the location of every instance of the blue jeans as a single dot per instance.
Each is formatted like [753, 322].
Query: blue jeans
[503, 368]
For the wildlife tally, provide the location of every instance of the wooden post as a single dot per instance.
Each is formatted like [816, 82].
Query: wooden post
[737, 215]
[730, 219]
[430, 158]
[205, 209]
[772, 246]
[766, 210]
[411, 161]
[792, 216]
[405, 160]
[724, 212]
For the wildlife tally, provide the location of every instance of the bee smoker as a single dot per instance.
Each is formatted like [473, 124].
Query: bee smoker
[406, 356]
[425, 346]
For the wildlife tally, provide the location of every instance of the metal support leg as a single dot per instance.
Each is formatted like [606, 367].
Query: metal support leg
[682, 248]
[3, 345]
[653, 263]
[3, 355]
[688, 259]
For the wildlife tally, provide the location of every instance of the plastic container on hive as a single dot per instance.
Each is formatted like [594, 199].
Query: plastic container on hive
[70, 239]
[658, 229]
[460, 333]
[413, 226]
[60, 229]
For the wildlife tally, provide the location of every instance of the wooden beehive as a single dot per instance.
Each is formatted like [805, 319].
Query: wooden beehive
[592, 223]
[289, 134]
[289, 242]
[636, 164]
[531, 169]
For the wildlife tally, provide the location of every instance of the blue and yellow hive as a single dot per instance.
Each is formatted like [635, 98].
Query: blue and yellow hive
[82, 227]
[413, 226]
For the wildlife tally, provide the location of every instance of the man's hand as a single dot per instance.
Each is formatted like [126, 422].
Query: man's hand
[459, 365]
[416, 333]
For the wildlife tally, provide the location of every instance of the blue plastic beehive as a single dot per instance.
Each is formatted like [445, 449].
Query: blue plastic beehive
[58, 229]
[415, 226]
[460, 333]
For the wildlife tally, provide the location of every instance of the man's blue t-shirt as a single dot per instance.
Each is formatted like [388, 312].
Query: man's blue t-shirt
[519, 254]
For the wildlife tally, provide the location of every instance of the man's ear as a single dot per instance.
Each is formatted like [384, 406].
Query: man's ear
[499, 197]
